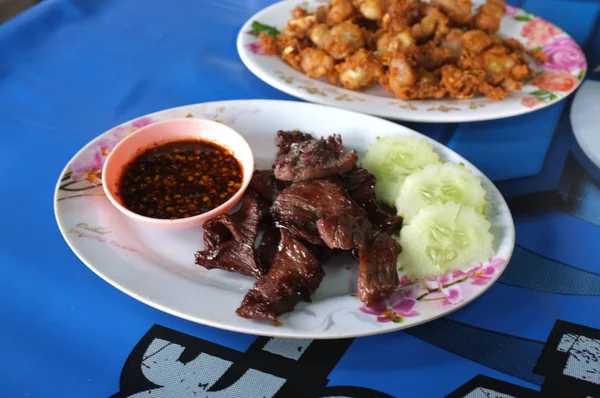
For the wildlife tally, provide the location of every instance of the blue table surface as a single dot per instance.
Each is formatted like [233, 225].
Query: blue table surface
[71, 69]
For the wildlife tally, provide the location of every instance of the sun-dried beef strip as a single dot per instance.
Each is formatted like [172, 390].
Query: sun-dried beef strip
[229, 240]
[377, 274]
[217, 232]
[241, 226]
[294, 274]
[286, 138]
[343, 231]
[307, 159]
[381, 219]
[360, 185]
[265, 252]
[357, 178]
[266, 185]
[231, 256]
[299, 206]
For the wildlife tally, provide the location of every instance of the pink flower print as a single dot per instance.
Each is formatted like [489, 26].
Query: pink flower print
[384, 314]
[564, 55]
[531, 102]
[256, 48]
[89, 165]
[394, 310]
[538, 31]
[404, 306]
[142, 122]
[483, 274]
[119, 133]
[453, 295]
[405, 281]
[511, 11]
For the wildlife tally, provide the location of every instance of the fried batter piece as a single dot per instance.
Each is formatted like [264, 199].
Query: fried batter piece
[489, 15]
[360, 70]
[458, 11]
[372, 9]
[316, 63]
[300, 23]
[433, 26]
[401, 77]
[428, 56]
[401, 14]
[339, 11]
[461, 83]
[394, 41]
[289, 48]
[343, 40]
[476, 41]
[269, 44]
[453, 43]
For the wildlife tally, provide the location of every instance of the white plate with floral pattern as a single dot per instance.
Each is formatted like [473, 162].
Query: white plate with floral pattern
[556, 79]
[157, 266]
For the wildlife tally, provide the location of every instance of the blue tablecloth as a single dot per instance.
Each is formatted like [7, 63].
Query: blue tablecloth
[71, 69]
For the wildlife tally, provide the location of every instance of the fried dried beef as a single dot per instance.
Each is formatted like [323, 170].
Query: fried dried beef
[233, 256]
[229, 240]
[377, 274]
[295, 273]
[302, 204]
[302, 157]
[241, 226]
[266, 185]
[360, 185]
[343, 231]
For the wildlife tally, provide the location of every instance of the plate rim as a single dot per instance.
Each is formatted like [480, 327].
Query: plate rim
[299, 334]
[437, 118]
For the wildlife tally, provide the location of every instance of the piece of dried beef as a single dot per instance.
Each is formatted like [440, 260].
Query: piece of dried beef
[295, 273]
[301, 158]
[302, 204]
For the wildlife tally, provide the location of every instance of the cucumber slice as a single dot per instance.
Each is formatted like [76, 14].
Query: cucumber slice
[390, 159]
[444, 237]
[440, 183]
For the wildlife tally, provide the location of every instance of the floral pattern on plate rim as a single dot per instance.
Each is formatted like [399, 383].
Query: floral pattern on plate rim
[83, 177]
[565, 67]
[446, 291]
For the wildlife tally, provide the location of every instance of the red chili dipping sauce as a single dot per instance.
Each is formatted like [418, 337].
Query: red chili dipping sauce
[180, 179]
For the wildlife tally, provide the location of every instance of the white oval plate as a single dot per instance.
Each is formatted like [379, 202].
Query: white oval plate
[556, 79]
[157, 266]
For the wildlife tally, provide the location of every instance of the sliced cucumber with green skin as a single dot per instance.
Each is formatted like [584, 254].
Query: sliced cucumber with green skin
[440, 183]
[442, 238]
[390, 159]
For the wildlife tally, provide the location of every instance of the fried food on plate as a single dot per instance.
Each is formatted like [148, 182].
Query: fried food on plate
[416, 50]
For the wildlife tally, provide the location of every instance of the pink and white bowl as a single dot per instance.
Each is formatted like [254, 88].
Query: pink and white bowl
[168, 131]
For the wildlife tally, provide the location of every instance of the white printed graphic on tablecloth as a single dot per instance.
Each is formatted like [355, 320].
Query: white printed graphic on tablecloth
[584, 358]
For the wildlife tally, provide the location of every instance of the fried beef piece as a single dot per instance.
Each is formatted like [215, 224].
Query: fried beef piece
[301, 158]
[343, 231]
[266, 185]
[377, 275]
[295, 273]
[286, 138]
[241, 226]
[231, 256]
[360, 185]
[229, 240]
[268, 247]
[302, 204]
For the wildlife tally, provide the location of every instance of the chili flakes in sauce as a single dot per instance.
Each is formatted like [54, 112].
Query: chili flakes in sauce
[180, 179]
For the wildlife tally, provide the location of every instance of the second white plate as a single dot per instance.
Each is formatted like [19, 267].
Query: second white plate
[556, 79]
